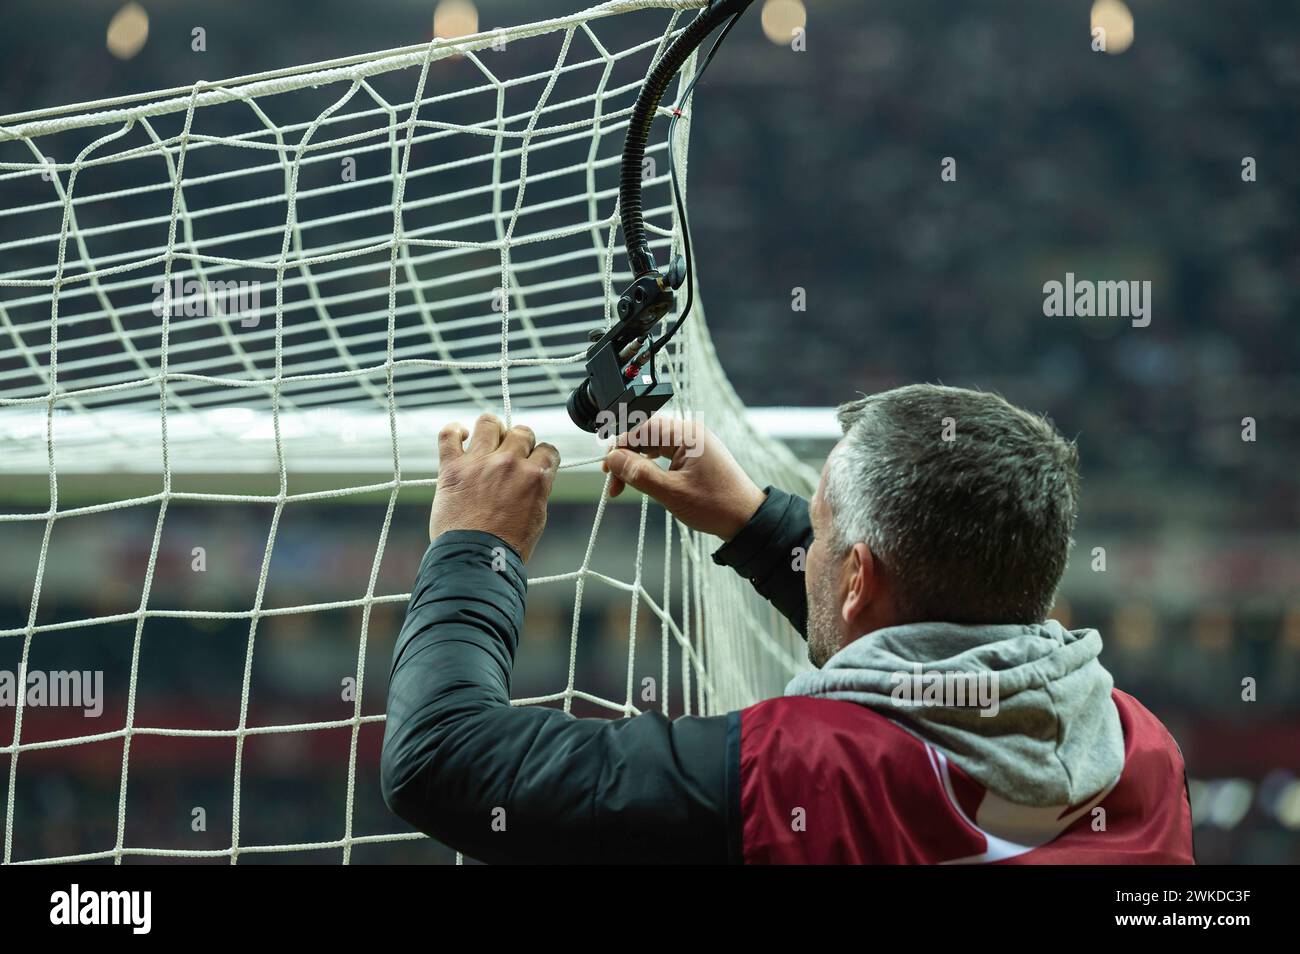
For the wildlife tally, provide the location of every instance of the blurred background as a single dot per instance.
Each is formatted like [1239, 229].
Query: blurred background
[817, 170]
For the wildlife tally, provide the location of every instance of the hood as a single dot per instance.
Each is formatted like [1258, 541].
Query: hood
[1038, 728]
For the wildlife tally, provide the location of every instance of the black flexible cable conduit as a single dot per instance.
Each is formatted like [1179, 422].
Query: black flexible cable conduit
[643, 115]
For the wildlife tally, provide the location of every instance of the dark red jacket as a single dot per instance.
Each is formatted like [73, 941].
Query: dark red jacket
[828, 782]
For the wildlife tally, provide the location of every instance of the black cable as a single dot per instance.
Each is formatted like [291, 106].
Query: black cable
[650, 296]
[677, 192]
[642, 118]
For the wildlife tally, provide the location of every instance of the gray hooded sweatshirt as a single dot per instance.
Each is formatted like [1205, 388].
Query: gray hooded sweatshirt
[1052, 736]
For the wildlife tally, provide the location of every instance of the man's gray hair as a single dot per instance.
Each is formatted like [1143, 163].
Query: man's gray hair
[966, 500]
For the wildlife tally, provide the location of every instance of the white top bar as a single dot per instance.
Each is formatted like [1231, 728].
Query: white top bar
[242, 440]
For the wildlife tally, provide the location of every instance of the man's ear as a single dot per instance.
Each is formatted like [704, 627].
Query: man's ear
[860, 570]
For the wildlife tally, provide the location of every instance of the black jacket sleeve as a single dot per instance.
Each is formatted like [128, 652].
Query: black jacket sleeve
[531, 784]
[764, 552]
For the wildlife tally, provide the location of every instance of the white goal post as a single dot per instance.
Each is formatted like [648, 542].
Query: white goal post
[304, 273]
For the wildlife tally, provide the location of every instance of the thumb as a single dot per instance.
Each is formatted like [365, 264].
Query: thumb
[639, 472]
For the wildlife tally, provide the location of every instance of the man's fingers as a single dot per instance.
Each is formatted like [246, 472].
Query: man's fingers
[615, 486]
[637, 471]
[549, 458]
[659, 436]
[451, 440]
[488, 431]
[520, 440]
[546, 455]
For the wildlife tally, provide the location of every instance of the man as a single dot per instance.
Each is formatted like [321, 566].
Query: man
[947, 719]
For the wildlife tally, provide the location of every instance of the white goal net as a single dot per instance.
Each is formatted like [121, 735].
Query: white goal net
[272, 291]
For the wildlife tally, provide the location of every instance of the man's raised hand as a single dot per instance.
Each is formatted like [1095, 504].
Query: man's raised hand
[703, 486]
[499, 484]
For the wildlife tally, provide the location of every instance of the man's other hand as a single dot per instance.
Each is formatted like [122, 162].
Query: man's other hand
[499, 484]
[703, 486]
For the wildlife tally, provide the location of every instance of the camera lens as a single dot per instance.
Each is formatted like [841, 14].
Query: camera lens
[582, 407]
